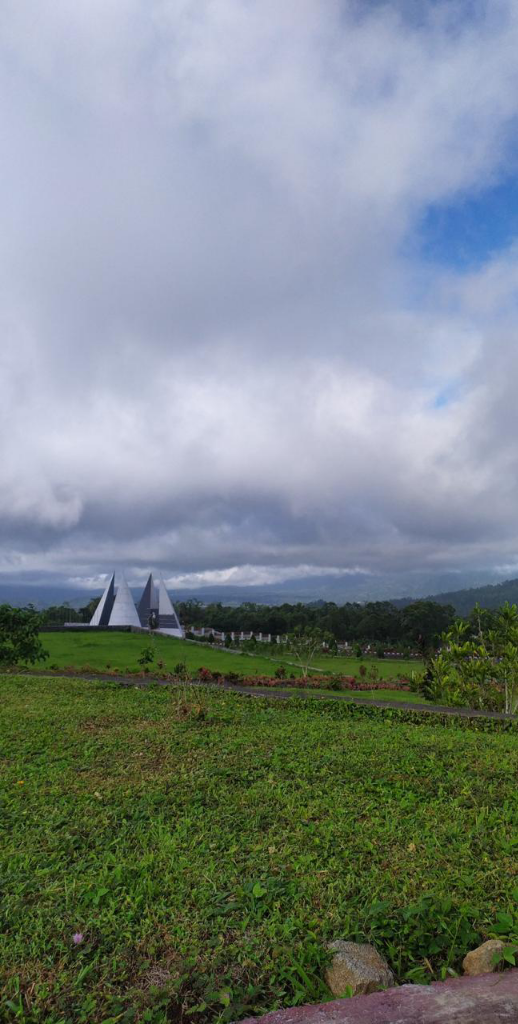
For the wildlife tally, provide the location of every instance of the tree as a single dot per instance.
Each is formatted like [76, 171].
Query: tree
[479, 666]
[88, 610]
[304, 644]
[424, 622]
[19, 636]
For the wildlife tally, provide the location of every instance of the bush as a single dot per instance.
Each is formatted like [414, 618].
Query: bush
[179, 670]
[232, 677]
[205, 675]
[280, 672]
[147, 657]
[334, 683]
[19, 640]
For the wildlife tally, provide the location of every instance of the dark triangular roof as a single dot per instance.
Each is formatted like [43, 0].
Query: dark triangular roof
[148, 602]
[101, 615]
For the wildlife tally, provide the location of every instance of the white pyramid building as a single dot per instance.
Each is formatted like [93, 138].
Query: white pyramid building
[117, 608]
[124, 612]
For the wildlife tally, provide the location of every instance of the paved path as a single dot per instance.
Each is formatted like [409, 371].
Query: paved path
[488, 999]
[287, 694]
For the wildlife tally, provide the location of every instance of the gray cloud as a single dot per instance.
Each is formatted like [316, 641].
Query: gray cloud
[216, 349]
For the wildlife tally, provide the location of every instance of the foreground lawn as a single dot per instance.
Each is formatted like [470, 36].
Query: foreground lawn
[122, 650]
[206, 846]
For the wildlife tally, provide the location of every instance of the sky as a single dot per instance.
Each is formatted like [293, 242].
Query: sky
[258, 288]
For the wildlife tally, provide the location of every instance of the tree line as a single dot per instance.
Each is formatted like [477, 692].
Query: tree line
[419, 624]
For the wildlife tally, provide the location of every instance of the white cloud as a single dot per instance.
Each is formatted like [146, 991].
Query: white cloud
[216, 357]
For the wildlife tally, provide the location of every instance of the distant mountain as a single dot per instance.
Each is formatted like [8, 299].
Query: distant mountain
[359, 587]
[398, 587]
[490, 596]
[41, 596]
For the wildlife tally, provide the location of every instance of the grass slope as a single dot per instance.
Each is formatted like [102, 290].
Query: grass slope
[122, 650]
[208, 845]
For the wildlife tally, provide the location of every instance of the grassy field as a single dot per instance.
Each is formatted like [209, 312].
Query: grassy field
[205, 847]
[122, 650]
[387, 668]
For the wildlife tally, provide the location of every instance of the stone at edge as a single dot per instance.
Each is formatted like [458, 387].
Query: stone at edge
[488, 999]
[357, 967]
[480, 960]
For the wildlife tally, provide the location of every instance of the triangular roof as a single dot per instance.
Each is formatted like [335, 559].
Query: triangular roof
[166, 613]
[124, 612]
[101, 615]
[148, 602]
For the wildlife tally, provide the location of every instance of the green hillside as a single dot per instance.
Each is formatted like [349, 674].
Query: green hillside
[489, 596]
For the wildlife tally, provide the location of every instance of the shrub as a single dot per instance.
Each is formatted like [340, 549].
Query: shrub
[205, 675]
[233, 677]
[180, 670]
[147, 657]
[19, 640]
[333, 683]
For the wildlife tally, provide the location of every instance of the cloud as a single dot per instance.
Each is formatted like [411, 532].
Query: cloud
[222, 352]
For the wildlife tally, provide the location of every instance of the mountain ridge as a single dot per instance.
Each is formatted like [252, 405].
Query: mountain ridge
[325, 588]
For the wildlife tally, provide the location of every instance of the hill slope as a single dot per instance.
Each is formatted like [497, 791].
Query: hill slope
[489, 596]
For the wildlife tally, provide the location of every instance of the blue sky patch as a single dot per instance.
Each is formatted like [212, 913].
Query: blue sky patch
[466, 233]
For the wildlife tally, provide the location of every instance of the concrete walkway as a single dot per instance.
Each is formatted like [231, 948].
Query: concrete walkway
[488, 999]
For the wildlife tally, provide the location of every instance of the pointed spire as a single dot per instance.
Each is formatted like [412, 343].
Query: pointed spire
[124, 612]
[101, 615]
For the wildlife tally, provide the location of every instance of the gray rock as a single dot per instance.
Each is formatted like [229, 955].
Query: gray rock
[480, 960]
[357, 967]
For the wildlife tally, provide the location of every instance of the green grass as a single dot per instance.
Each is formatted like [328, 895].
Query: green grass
[212, 844]
[386, 667]
[122, 650]
[393, 695]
